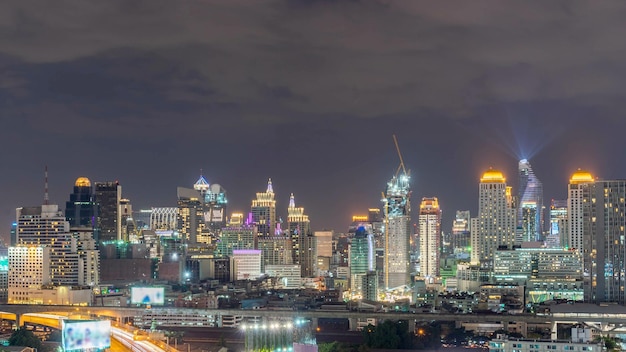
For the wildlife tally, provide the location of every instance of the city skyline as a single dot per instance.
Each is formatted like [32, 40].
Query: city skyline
[308, 94]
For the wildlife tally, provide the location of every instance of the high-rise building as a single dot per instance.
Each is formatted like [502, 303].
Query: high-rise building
[324, 243]
[576, 193]
[276, 250]
[603, 247]
[263, 211]
[29, 270]
[215, 212]
[129, 226]
[304, 244]
[88, 254]
[80, 210]
[164, 218]
[191, 212]
[494, 227]
[530, 210]
[397, 231]
[461, 231]
[46, 226]
[107, 196]
[235, 237]
[430, 237]
[245, 264]
[362, 260]
[558, 224]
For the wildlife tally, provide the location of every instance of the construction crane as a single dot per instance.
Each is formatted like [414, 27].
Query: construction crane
[386, 200]
[401, 166]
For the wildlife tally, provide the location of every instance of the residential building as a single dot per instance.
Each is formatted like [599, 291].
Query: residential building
[430, 237]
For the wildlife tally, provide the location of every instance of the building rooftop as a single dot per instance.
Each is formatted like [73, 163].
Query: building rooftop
[492, 175]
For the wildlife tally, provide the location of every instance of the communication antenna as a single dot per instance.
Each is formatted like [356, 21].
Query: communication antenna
[45, 189]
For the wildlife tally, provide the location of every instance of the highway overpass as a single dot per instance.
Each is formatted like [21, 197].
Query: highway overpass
[607, 318]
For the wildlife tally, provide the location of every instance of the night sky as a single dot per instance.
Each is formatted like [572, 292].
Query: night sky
[308, 93]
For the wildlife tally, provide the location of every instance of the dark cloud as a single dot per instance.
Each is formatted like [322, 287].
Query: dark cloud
[308, 93]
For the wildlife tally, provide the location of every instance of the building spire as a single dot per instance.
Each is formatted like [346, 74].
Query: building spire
[292, 202]
[45, 194]
[270, 189]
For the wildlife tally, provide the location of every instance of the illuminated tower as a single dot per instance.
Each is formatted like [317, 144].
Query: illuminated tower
[461, 231]
[264, 211]
[558, 224]
[397, 231]
[603, 247]
[108, 221]
[303, 241]
[576, 191]
[495, 225]
[430, 237]
[80, 209]
[190, 217]
[530, 210]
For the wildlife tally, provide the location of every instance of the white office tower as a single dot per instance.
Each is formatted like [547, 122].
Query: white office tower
[495, 225]
[245, 264]
[29, 270]
[576, 191]
[46, 226]
[89, 257]
[430, 237]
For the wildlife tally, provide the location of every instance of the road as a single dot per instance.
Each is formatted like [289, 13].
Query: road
[126, 338]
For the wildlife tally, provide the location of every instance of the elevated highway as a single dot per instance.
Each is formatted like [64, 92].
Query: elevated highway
[609, 318]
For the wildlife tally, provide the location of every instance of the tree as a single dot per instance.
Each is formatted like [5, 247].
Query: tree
[55, 336]
[25, 337]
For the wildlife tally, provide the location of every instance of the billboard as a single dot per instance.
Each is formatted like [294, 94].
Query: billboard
[82, 335]
[147, 295]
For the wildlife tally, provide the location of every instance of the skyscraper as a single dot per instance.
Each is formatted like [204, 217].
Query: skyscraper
[107, 196]
[362, 260]
[430, 237]
[576, 193]
[603, 247]
[304, 245]
[190, 216]
[46, 226]
[264, 211]
[80, 210]
[530, 210]
[461, 231]
[495, 225]
[397, 231]
[558, 224]
[215, 207]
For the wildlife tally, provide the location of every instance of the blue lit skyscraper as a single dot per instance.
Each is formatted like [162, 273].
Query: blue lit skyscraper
[530, 209]
[362, 260]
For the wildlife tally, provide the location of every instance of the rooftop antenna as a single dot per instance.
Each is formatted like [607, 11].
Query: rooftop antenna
[45, 194]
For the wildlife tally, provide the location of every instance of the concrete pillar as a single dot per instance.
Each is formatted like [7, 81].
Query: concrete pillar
[353, 324]
[18, 320]
[314, 324]
[554, 335]
[411, 326]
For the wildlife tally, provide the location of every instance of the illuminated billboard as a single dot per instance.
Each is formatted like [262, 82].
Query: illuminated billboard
[83, 335]
[147, 295]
